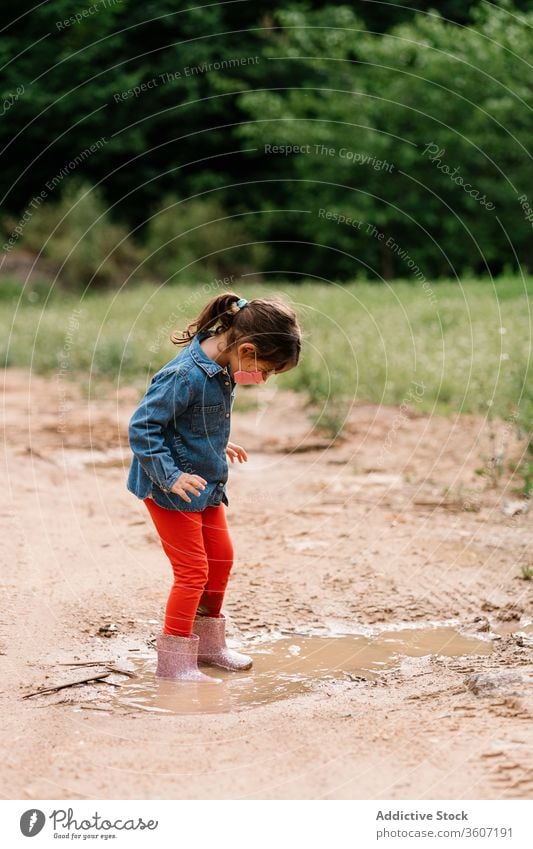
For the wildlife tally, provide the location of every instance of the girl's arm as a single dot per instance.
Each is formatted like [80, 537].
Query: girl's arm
[168, 395]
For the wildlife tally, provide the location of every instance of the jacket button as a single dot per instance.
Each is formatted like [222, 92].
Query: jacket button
[227, 415]
[221, 483]
[226, 383]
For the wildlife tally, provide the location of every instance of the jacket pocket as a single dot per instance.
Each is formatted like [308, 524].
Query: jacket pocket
[207, 419]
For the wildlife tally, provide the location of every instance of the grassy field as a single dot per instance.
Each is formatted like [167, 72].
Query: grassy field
[452, 347]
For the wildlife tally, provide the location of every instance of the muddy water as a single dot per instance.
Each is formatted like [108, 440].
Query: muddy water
[289, 666]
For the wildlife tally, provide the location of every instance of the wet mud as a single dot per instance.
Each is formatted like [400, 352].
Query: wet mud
[288, 667]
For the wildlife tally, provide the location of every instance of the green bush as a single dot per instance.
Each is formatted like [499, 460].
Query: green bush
[29, 292]
[185, 240]
[79, 237]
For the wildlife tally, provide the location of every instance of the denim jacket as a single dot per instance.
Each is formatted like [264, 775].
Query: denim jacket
[182, 424]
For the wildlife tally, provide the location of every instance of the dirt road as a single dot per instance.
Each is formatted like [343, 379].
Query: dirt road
[389, 529]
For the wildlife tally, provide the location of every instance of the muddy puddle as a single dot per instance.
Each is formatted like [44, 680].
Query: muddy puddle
[286, 667]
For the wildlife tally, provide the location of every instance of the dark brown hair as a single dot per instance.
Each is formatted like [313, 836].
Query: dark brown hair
[269, 323]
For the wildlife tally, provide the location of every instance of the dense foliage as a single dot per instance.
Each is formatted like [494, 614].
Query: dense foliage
[374, 140]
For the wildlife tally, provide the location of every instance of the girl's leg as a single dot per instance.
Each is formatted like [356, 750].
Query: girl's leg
[181, 537]
[219, 550]
[210, 623]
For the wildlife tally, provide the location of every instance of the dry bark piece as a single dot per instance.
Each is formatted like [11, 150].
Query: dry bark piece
[121, 671]
[57, 687]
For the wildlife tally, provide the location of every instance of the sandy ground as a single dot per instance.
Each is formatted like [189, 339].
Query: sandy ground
[389, 526]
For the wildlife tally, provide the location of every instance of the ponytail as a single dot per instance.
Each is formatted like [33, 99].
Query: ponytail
[219, 309]
[269, 323]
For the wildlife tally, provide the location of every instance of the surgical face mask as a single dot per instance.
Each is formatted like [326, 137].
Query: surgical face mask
[248, 377]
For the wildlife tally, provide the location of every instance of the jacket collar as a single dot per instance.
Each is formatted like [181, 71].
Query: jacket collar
[200, 357]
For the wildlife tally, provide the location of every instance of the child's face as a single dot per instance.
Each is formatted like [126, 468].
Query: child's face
[245, 353]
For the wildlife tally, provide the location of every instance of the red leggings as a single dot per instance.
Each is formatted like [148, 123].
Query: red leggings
[200, 551]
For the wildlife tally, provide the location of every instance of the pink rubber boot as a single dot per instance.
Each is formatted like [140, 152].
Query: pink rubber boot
[177, 659]
[212, 648]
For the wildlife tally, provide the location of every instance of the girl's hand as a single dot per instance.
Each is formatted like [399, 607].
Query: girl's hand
[188, 483]
[236, 452]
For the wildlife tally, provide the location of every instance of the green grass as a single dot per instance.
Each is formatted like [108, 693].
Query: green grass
[526, 573]
[457, 347]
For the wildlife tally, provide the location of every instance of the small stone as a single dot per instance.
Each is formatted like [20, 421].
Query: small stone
[502, 683]
[108, 630]
[514, 508]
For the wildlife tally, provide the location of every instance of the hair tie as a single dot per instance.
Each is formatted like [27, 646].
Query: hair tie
[238, 305]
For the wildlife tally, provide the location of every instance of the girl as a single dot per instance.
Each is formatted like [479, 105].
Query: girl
[179, 437]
